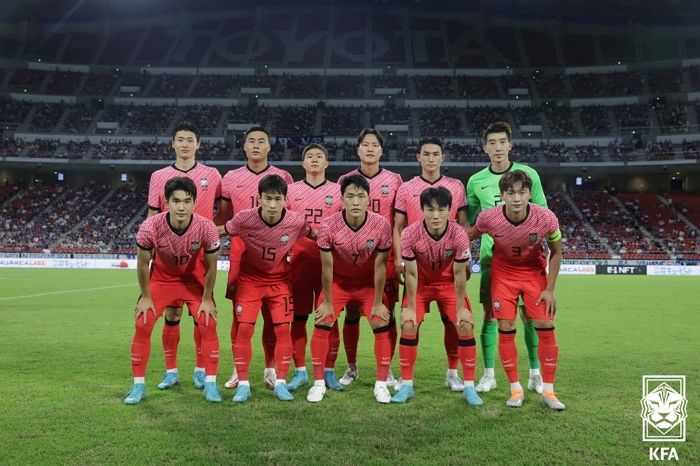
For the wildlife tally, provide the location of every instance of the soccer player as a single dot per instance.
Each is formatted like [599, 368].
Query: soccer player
[239, 191]
[383, 187]
[519, 266]
[354, 248]
[317, 198]
[184, 248]
[436, 256]
[483, 193]
[268, 233]
[208, 182]
[408, 210]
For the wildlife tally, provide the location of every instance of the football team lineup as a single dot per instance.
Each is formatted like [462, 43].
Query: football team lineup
[314, 248]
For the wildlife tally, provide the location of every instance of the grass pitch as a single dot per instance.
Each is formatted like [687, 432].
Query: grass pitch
[64, 368]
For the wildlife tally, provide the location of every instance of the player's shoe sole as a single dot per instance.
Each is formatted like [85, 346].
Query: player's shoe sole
[550, 400]
[211, 392]
[486, 384]
[351, 374]
[136, 395]
[516, 399]
[316, 394]
[169, 381]
[535, 383]
[405, 393]
[472, 397]
[300, 378]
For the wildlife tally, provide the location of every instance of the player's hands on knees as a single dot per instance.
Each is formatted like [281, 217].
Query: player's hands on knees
[550, 302]
[465, 319]
[324, 313]
[408, 314]
[208, 308]
[380, 311]
[143, 305]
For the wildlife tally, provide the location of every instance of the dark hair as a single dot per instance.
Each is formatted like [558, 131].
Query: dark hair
[367, 131]
[272, 184]
[254, 129]
[357, 180]
[441, 196]
[180, 183]
[509, 179]
[498, 127]
[429, 140]
[186, 126]
[314, 145]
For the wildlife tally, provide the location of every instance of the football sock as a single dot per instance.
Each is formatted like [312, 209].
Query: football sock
[393, 333]
[299, 339]
[243, 349]
[382, 352]
[171, 338]
[489, 372]
[467, 354]
[408, 353]
[351, 335]
[200, 358]
[139, 379]
[141, 346]
[234, 332]
[548, 353]
[210, 378]
[268, 340]
[451, 344]
[509, 353]
[489, 337]
[210, 345]
[516, 387]
[531, 341]
[319, 349]
[333, 345]
[283, 350]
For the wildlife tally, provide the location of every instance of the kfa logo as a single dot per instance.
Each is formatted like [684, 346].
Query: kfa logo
[532, 237]
[239, 310]
[194, 245]
[663, 413]
[284, 239]
[329, 200]
[449, 252]
[370, 244]
[204, 183]
[385, 190]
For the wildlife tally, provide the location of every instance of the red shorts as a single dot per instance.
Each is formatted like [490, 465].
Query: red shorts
[176, 295]
[360, 297]
[391, 287]
[306, 287]
[505, 293]
[251, 296]
[234, 268]
[445, 297]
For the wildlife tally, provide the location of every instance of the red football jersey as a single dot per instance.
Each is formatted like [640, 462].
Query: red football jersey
[408, 197]
[382, 191]
[316, 203]
[240, 186]
[267, 247]
[434, 256]
[178, 257]
[354, 249]
[518, 247]
[207, 180]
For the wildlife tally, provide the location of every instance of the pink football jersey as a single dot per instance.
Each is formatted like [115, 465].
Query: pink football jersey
[382, 191]
[408, 197]
[178, 257]
[354, 249]
[434, 256]
[208, 182]
[316, 203]
[240, 186]
[267, 247]
[518, 248]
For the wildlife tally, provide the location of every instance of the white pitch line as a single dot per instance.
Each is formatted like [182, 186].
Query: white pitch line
[63, 292]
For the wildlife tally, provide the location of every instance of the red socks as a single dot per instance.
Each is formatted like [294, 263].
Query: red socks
[467, 355]
[509, 354]
[548, 351]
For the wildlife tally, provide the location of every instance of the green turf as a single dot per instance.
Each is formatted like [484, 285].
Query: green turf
[64, 367]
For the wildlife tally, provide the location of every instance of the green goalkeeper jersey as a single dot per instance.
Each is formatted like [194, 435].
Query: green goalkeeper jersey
[483, 193]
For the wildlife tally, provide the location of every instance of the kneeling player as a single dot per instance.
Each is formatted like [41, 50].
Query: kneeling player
[354, 248]
[520, 269]
[268, 232]
[436, 256]
[184, 248]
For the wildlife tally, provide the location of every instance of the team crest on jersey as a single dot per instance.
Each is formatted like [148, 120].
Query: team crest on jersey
[239, 309]
[194, 245]
[284, 239]
[496, 305]
[449, 252]
[329, 200]
[370, 244]
[385, 190]
[203, 182]
[532, 237]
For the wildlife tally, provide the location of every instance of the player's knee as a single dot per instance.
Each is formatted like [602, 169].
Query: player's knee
[506, 325]
[245, 331]
[378, 326]
[465, 330]
[409, 329]
[543, 324]
[145, 329]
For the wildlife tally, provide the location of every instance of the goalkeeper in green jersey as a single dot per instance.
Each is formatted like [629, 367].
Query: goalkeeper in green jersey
[482, 193]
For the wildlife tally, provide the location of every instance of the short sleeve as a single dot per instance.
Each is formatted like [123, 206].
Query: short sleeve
[384, 236]
[211, 238]
[325, 238]
[407, 251]
[144, 237]
[154, 194]
[462, 252]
